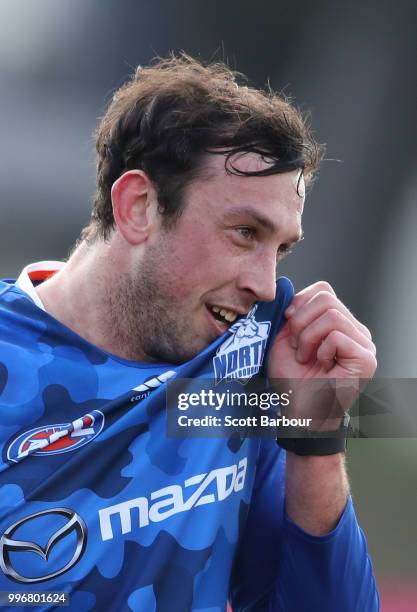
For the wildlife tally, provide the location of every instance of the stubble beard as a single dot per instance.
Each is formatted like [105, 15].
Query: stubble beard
[151, 325]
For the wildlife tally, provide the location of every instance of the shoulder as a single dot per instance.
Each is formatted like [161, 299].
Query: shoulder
[5, 285]
[14, 303]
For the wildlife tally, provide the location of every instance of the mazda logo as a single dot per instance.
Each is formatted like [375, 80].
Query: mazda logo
[8, 544]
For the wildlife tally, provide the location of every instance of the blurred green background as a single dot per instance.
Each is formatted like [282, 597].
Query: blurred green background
[383, 480]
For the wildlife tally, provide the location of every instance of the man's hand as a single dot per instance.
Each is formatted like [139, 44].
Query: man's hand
[321, 339]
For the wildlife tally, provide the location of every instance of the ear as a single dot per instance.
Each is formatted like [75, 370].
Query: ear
[132, 195]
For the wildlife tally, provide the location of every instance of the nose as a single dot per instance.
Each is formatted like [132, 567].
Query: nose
[259, 278]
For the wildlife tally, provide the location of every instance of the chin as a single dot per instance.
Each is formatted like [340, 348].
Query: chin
[183, 354]
[179, 348]
[173, 356]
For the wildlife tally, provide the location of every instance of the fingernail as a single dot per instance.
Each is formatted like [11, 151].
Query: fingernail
[290, 311]
[293, 342]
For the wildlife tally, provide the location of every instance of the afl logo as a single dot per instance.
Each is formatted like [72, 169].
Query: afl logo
[56, 439]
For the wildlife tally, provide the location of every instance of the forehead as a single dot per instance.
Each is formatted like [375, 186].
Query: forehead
[279, 197]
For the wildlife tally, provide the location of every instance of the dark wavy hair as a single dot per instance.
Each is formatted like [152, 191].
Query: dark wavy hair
[169, 115]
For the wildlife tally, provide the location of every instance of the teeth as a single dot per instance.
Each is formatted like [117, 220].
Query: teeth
[229, 315]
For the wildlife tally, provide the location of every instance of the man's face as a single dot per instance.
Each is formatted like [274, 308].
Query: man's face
[196, 277]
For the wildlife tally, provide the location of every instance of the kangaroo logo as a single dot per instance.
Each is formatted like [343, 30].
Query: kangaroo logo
[241, 355]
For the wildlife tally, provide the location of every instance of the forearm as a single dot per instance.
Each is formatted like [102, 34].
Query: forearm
[317, 489]
[282, 567]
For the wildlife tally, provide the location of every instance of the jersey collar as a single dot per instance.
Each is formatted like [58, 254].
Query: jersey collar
[35, 273]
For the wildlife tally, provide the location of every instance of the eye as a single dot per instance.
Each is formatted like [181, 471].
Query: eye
[248, 233]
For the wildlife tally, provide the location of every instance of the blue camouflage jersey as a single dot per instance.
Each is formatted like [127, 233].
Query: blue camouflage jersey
[97, 501]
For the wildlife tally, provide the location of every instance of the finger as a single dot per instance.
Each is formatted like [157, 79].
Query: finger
[317, 306]
[305, 295]
[339, 352]
[332, 320]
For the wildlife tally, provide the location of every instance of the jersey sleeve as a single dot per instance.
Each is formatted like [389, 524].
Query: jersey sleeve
[281, 568]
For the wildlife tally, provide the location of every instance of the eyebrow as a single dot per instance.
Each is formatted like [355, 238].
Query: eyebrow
[263, 222]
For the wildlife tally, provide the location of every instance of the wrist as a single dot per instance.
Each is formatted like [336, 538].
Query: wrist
[305, 441]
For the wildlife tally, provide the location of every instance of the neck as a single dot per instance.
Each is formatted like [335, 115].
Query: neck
[85, 296]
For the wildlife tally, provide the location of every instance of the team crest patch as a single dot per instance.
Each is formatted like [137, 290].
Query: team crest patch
[56, 439]
[241, 355]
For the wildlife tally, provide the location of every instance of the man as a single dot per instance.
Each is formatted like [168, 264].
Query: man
[200, 193]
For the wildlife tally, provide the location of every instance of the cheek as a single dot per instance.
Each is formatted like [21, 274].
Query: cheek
[195, 259]
[197, 266]
[182, 270]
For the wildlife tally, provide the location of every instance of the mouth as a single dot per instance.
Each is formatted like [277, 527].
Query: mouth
[222, 317]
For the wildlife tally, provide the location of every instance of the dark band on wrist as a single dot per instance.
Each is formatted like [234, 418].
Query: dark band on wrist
[301, 441]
